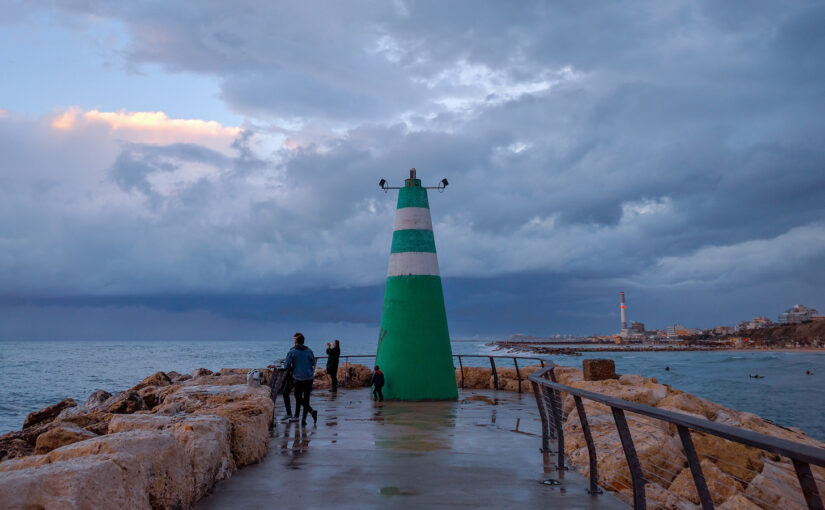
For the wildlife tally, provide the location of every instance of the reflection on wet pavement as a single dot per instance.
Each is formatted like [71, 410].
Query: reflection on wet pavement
[479, 451]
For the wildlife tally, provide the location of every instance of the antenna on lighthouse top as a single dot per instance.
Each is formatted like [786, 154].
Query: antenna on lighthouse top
[412, 173]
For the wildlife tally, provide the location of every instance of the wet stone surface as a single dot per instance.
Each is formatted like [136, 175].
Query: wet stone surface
[479, 451]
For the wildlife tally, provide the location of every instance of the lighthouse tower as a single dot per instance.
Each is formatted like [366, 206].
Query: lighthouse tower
[414, 343]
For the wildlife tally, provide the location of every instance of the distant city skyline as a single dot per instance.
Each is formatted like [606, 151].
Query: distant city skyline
[203, 170]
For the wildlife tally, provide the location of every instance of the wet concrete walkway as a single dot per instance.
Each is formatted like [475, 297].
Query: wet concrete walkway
[479, 452]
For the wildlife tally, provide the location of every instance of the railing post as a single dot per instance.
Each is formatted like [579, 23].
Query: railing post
[808, 484]
[591, 447]
[545, 427]
[461, 365]
[495, 374]
[555, 407]
[695, 468]
[542, 363]
[639, 500]
[518, 373]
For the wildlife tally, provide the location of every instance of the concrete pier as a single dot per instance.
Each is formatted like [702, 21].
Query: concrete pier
[479, 451]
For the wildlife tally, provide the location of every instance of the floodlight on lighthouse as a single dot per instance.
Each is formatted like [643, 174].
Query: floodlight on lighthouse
[441, 185]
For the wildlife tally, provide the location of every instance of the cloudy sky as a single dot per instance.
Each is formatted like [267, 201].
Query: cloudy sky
[208, 170]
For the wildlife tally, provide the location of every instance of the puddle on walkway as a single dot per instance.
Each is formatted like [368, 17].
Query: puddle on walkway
[395, 491]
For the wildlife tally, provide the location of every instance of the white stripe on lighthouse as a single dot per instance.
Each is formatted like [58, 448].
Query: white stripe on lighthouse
[413, 218]
[413, 263]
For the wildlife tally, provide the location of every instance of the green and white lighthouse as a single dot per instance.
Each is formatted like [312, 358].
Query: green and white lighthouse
[414, 343]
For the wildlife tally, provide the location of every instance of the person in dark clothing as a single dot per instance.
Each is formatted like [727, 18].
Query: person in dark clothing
[301, 361]
[334, 353]
[286, 389]
[377, 383]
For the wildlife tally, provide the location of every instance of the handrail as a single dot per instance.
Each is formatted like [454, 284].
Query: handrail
[491, 357]
[800, 454]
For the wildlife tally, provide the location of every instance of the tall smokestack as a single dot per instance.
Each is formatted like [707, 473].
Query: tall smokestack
[624, 312]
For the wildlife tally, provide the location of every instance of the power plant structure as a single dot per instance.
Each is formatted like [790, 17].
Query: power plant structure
[623, 308]
[634, 330]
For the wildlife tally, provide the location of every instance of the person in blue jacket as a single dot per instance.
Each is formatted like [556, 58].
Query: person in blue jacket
[301, 361]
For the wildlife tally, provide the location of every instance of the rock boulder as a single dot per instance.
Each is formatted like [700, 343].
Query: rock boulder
[156, 379]
[47, 414]
[61, 435]
[126, 402]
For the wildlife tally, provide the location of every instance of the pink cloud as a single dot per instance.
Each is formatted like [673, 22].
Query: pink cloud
[150, 127]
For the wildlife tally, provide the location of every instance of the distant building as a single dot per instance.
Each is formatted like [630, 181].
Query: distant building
[755, 323]
[797, 315]
[638, 327]
[723, 330]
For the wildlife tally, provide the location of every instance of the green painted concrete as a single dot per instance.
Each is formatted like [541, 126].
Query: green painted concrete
[414, 343]
[413, 196]
[413, 240]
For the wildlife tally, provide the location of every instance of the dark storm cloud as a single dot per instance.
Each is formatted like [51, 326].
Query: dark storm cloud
[675, 150]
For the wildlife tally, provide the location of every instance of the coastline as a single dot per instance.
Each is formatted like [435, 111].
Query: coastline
[572, 349]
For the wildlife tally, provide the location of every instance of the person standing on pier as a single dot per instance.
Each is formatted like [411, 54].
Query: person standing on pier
[334, 354]
[377, 383]
[301, 360]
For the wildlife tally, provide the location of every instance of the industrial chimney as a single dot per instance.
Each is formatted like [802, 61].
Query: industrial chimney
[624, 313]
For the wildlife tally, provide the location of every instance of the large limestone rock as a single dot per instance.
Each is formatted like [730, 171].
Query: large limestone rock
[632, 379]
[93, 421]
[248, 409]
[215, 380]
[93, 403]
[126, 402]
[61, 435]
[738, 502]
[743, 462]
[156, 379]
[207, 442]
[96, 399]
[686, 402]
[13, 446]
[508, 377]
[567, 375]
[475, 377]
[137, 469]
[659, 498]
[47, 414]
[84, 483]
[720, 485]
[205, 439]
[198, 372]
[233, 371]
[776, 486]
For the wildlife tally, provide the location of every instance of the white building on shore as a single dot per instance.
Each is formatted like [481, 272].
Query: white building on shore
[797, 314]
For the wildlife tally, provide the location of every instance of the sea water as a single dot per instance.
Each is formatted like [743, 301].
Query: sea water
[37, 374]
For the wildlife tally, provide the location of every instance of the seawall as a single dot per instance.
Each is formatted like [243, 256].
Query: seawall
[165, 442]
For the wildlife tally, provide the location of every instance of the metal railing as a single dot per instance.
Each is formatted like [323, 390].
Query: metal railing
[461, 357]
[547, 392]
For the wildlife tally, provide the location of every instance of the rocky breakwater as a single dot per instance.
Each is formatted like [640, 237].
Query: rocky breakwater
[739, 477]
[163, 443]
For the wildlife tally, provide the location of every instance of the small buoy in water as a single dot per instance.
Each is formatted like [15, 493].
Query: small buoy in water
[808, 372]
[667, 369]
